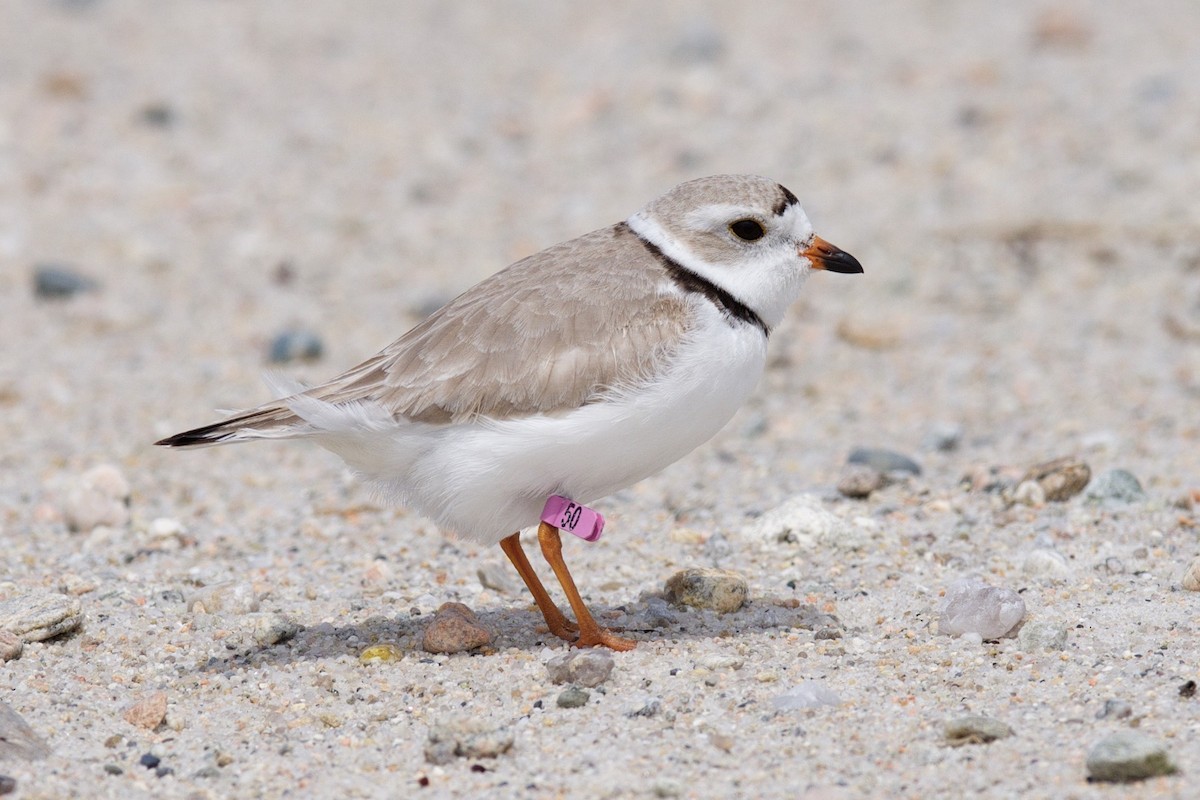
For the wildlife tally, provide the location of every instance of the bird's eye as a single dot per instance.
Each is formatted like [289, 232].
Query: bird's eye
[747, 229]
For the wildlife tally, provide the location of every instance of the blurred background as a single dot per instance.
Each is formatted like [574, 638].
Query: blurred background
[1020, 181]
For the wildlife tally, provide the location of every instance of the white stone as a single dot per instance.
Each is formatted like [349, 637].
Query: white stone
[805, 523]
[970, 605]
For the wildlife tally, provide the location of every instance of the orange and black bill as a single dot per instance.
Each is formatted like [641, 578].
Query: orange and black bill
[825, 256]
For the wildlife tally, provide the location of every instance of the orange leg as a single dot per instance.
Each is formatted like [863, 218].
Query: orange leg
[590, 633]
[558, 624]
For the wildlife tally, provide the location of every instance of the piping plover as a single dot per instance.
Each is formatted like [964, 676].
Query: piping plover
[575, 372]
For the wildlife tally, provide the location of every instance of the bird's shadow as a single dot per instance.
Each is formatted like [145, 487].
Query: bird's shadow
[649, 620]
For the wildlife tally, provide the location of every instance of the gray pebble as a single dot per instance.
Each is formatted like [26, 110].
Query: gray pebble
[18, 741]
[272, 628]
[44, 615]
[158, 115]
[721, 590]
[1115, 485]
[1115, 709]
[1037, 636]
[658, 614]
[971, 606]
[1128, 756]
[857, 481]
[581, 667]
[59, 281]
[717, 548]
[572, 697]
[11, 645]
[699, 43]
[942, 437]
[974, 729]
[297, 344]
[650, 708]
[226, 597]
[469, 737]
[113, 769]
[8, 784]
[884, 461]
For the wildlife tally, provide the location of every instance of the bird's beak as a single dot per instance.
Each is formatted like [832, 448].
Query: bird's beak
[825, 256]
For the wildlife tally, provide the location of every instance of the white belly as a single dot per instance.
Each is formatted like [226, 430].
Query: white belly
[488, 479]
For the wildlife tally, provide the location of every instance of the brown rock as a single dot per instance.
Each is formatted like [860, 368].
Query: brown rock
[1191, 576]
[149, 712]
[859, 480]
[453, 629]
[721, 590]
[11, 645]
[1060, 479]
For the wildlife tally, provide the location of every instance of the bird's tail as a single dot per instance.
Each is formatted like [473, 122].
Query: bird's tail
[268, 422]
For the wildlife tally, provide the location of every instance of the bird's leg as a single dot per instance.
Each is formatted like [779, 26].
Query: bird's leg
[590, 633]
[558, 624]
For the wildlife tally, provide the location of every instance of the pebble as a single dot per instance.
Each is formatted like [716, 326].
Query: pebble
[1029, 493]
[99, 497]
[658, 614]
[113, 769]
[272, 628]
[149, 712]
[943, 437]
[581, 667]
[469, 737]
[1044, 562]
[1128, 756]
[454, 629]
[805, 522]
[699, 42]
[149, 760]
[974, 729]
[40, 616]
[997, 478]
[11, 645]
[806, 694]
[1038, 636]
[296, 344]
[1115, 485]
[496, 576]
[1060, 479]
[885, 461]
[18, 741]
[572, 697]
[60, 281]
[721, 590]
[1115, 709]
[225, 597]
[857, 481]
[1191, 576]
[971, 606]
[8, 784]
[650, 708]
[380, 654]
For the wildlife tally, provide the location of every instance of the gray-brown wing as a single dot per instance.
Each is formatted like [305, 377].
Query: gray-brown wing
[549, 333]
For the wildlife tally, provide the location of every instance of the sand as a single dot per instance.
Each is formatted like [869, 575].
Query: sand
[1019, 180]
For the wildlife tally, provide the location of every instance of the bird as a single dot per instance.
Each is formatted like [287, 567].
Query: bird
[574, 372]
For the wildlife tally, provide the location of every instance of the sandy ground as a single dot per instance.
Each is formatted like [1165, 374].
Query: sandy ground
[1020, 181]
